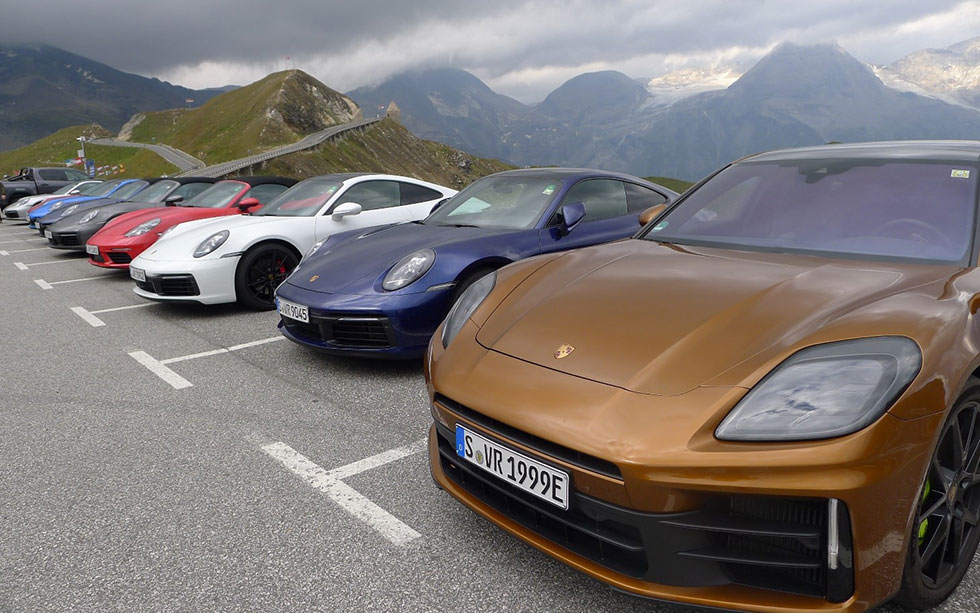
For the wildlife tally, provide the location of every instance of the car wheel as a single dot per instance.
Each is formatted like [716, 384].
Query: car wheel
[260, 272]
[945, 531]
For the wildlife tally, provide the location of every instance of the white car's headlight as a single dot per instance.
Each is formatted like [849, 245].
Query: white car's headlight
[825, 391]
[144, 227]
[211, 243]
[473, 297]
[409, 269]
[88, 217]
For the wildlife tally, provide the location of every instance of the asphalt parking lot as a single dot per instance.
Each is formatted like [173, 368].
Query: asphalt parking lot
[165, 457]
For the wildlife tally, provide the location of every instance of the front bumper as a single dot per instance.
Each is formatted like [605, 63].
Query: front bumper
[695, 520]
[393, 326]
[118, 252]
[203, 282]
[72, 238]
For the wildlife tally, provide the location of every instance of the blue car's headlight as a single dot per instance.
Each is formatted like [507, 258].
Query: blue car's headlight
[473, 297]
[409, 269]
[825, 391]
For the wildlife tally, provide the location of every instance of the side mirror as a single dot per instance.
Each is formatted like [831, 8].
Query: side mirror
[247, 204]
[572, 215]
[344, 210]
[437, 205]
[74, 191]
[651, 213]
[173, 200]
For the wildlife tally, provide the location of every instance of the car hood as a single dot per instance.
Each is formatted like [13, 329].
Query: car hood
[178, 243]
[661, 319]
[353, 265]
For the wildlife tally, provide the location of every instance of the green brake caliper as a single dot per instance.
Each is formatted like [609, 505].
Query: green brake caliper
[924, 526]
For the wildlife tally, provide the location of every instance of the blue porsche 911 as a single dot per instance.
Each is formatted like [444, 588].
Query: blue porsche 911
[382, 292]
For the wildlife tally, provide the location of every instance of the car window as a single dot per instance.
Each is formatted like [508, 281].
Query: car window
[603, 198]
[266, 192]
[103, 189]
[156, 192]
[189, 190]
[499, 201]
[129, 190]
[218, 195]
[413, 194]
[51, 174]
[372, 195]
[639, 198]
[75, 175]
[301, 200]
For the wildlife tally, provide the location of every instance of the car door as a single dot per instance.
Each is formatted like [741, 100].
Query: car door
[607, 216]
[380, 202]
[418, 200]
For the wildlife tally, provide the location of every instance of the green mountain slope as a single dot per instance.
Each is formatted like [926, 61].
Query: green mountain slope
[277, 110]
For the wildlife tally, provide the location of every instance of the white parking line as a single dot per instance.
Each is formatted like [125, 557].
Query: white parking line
[95, 322]
[330, 483]
[36, 238]
[23, 250]
[47, 285]
[175, 380]
[159, 368]
[24, 266]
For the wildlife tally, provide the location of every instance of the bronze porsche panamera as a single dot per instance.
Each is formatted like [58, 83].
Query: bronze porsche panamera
[768, 399]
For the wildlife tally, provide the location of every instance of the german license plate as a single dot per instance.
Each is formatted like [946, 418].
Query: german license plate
[91, 249]
[295, 311]
[137, 273]
[531, 476]
[48, 234]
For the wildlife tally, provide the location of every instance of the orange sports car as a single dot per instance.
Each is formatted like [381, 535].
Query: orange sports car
[767, 399]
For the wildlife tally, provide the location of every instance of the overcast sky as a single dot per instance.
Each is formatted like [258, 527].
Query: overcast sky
[522, 49]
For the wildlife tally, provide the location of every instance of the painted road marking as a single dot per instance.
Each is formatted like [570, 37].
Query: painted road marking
[24, 266]
[205, 354]
[24, 250]
[175, 380]
[95, 322]
[47, 284]
[159, 367]
[352, 501]
[36, 238]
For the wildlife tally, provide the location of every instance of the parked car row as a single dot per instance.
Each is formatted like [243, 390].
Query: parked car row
[705, 398]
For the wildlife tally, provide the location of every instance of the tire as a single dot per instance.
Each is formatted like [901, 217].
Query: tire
[260, 272]
[945, 532]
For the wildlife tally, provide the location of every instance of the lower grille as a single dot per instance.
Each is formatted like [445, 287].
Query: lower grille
[98, 258]
[12, 214]
[613, 544]
[764, 542]
[119, 257]
[170, 285]
[65, 239]
[344, 330]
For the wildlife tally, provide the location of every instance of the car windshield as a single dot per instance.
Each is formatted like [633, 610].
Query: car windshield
[130, 189]
[103, 189]
[877, 209]
[301, 200]
[498, 202]
[158, 191]
[218, 195]
[64, 190]
[89, 188]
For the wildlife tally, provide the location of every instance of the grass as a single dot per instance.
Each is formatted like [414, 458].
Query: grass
[678, 185]
[51, 150]
[389, 148]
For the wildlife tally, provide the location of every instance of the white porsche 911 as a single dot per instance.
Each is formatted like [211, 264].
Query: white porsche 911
[245, 257]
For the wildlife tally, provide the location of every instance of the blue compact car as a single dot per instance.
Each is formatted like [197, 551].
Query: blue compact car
[382, 292]
[115, 189]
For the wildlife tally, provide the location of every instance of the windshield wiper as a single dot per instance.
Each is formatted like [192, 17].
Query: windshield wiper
[459, 225]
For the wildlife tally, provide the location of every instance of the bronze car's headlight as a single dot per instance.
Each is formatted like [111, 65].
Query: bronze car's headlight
[472, 298]
[825, 391]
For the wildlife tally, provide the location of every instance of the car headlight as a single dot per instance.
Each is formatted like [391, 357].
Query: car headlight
[88, 217]
[211, 243]
[408, 269]
[144, 227]
[314, 248]
[57, 205]
[825, 391]
[473, 297]
[69, 210]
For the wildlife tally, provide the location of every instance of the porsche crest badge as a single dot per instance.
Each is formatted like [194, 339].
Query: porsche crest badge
[314, 278]
[564, 351]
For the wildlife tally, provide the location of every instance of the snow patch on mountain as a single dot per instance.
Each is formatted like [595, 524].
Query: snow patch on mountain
[679, 84]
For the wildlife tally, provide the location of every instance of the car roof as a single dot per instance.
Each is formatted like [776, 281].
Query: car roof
[964, 150]
[561, 173]
[186, 180]
[254, 180]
